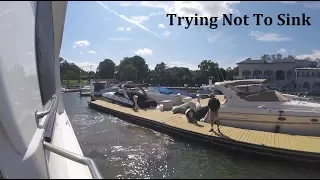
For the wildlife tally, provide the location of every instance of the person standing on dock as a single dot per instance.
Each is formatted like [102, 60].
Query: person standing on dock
[213, 112]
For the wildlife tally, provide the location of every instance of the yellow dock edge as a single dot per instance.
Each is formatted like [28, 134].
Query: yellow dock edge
[128, 114]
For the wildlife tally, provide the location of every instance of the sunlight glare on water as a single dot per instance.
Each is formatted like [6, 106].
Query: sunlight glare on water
[125, 150]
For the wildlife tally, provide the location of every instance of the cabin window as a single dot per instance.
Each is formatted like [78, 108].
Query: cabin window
[45, 52]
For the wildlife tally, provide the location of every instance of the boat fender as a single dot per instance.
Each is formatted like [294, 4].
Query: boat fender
[190, 114]
[277, 129]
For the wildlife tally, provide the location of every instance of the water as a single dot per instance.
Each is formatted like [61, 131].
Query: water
[125, 150]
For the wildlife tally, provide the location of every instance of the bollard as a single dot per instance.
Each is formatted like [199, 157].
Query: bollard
[179, 100]
[198, 98]
[135, 101]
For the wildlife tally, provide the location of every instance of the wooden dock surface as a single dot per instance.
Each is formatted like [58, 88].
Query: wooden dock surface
[305, 148]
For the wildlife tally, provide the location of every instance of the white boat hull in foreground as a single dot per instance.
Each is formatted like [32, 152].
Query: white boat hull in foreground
[36, 137]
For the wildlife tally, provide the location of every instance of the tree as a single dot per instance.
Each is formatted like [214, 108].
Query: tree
[273, 57]
[140, 67]
[278, 56]
[210, 69]
[266, 57]
[106, 69]
[128, 73]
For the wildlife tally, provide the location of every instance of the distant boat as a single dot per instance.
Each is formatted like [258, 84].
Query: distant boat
[85, 91]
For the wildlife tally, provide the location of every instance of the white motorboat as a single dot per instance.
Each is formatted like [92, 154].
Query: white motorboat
[36, 136]
[103, 87]
[267, 110]
[158, 96]
[85, 91]
[124, 96]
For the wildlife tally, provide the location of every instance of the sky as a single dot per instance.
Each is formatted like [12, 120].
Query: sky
[98, 30]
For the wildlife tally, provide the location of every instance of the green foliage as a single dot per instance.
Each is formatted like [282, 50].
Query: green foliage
[106, 69]
[135, 69]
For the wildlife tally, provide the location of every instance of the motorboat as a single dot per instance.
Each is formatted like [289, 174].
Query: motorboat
[124, 96]
[266, 110]
[160, 94]
[103, 87]
[85, 91]
[37, 139]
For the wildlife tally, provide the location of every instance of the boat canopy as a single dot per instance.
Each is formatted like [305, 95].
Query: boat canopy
[267, 96]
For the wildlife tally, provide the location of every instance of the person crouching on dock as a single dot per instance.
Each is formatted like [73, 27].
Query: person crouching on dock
[213, 112]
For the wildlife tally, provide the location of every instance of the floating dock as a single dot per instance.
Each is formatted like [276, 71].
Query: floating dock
[291, 147]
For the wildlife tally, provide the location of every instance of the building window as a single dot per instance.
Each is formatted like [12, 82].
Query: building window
[313, 74]
[45, 49]
[318, 74]
[298, 74]
[289, 74]
[307, 74]
[303, 74]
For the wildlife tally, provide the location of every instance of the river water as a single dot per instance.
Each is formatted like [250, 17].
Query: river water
[124, 150]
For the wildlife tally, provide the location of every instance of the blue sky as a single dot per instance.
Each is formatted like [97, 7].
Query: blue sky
[98, 30]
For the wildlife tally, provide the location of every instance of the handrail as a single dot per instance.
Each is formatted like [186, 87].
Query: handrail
[41, 114]
[75, 157]
[50, 119]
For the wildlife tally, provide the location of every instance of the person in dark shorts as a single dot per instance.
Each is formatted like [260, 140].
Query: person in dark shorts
[213, 113]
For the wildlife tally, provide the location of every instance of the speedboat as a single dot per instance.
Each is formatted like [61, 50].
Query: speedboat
[85, 91]
[103, 87]
[160, 94]
[124, 96]
[266, 110]
[37, 139]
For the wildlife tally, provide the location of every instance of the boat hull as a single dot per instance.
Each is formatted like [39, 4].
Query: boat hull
[289, 123]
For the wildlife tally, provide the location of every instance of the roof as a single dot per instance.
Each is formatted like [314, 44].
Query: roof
[242, 82]
[260, 61]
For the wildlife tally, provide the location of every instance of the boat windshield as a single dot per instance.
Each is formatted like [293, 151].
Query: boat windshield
[257, 92]
[98, 87]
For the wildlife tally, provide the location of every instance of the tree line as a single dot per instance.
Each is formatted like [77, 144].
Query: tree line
[137, 70]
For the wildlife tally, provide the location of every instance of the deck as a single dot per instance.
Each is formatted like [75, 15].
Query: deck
[294, 147]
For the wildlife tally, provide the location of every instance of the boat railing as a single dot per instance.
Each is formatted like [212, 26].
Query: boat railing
[48, 124]
[75, 157]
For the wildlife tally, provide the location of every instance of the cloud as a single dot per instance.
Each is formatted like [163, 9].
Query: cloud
[219, 36]
[156, 14]
[81, 43]
[127, 19]
[282, 50]
[189, 8]
[126, 4]
[271, 37]
[183, 64]
[143, 52]
[161, 26]
[123, 28]
[166, 34]
[140, 19]
[315, 54]
[92, 52]
[288, 2]
[87, 66]
[80, 52]
[119, 39]
[312, 5]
